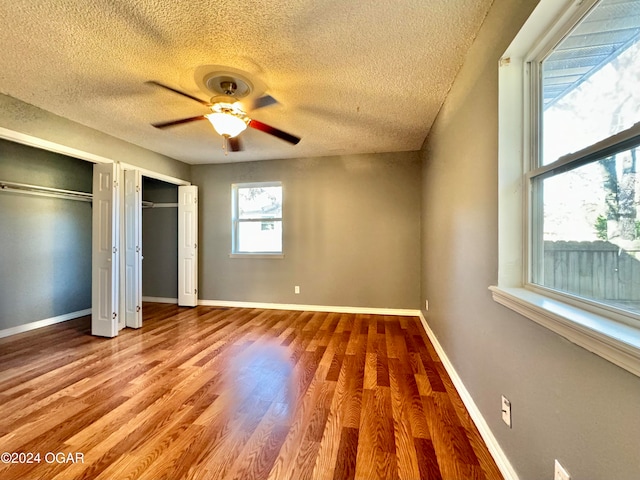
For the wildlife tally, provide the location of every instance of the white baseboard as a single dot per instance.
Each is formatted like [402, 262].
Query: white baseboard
[312, 308]
[160, 300]
[43, 323]
[487, 435]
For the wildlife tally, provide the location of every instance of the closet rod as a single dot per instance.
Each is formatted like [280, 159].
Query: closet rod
[53, 192]
[45, 191]
[146, 204]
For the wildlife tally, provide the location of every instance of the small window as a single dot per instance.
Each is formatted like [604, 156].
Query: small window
[584, 179]
[257, 218]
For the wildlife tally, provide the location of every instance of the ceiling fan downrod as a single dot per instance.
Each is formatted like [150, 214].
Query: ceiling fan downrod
[229, 88]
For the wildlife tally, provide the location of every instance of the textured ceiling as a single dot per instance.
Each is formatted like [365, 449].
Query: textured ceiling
[349, 76]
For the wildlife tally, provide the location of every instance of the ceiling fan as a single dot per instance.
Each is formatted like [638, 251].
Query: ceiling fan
[228, 117]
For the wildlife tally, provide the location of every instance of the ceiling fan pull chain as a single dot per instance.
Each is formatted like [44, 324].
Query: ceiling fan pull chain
[225, 145]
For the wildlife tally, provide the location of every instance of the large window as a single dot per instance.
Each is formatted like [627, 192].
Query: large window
[584, 204]
[569, 187]
[257, 218]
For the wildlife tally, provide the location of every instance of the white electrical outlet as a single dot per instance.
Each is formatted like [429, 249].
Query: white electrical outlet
[506, 411]
[426, 305]
[296, 289]
[560, 473]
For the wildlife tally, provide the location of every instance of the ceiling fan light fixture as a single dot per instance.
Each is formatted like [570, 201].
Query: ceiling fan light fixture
[226, 124]
[228, 119]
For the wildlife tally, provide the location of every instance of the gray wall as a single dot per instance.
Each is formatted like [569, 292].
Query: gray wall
[159, 240]
[27, 119]
[351, 232]
[45, 253]
[567, 403]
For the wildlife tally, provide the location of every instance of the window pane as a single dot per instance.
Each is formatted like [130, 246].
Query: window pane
[260, 202]
[262, 237]
[587, 234]
[590, 81]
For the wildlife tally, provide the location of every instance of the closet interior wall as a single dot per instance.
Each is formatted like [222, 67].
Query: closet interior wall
[159, 239]
[45, 254]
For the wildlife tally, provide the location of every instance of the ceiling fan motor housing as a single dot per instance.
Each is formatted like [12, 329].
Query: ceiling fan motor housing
[230, 85]
[228, 102]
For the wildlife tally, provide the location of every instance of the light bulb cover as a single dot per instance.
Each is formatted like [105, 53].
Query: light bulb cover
[228, 119]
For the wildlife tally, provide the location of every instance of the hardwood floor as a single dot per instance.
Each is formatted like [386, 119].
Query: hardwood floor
[210, 393]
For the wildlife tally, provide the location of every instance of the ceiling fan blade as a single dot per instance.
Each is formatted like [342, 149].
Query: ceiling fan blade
[234, 144]
[173, 123]
[263, 127]
[203, 102]
[263, 101]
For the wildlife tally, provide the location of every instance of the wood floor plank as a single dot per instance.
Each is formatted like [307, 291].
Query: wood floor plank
[237, 393]
[427, 460]
[385, 433]
[376, 443]
[367, 445]
[405, 447]
[382, 362]
[329, 445]
[346, 460]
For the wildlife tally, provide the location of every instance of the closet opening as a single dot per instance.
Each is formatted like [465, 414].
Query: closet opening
[159, 241]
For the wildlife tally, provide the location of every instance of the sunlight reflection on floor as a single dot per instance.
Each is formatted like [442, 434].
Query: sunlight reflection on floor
[263, 372]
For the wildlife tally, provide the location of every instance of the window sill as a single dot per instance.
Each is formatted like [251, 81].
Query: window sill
[256, 255]
[617, 342]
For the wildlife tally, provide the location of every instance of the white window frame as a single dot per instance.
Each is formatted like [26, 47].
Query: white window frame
[599, 329]
[235, 221]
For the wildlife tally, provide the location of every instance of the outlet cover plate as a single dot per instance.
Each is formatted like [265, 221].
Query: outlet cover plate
[506, 411]
[559, 473]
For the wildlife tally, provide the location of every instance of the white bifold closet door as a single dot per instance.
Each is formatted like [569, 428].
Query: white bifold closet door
[105, 259]
[131, 286]
[188, 245]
